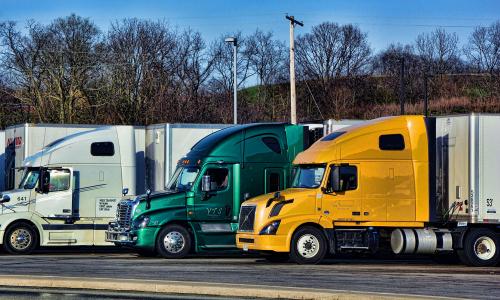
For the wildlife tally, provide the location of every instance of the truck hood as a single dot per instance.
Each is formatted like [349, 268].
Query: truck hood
[287, 203]
[161, 201]
[19, 201]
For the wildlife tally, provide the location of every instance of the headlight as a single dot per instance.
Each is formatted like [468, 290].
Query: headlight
[271, 228]
[140, 222]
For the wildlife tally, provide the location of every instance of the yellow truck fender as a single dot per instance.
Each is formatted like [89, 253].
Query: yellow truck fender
[295, 222]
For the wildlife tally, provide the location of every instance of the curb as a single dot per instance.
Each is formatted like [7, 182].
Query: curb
[194, 288]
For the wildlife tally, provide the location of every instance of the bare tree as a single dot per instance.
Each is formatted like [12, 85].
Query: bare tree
[483, 49]
[331, 50]
[52, 66]
[267, 57]
[328, 52]
[142, 65]
[438, 51]
[222, 77]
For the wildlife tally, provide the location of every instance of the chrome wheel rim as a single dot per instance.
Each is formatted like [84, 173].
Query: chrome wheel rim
[308, 246]
[174, 242]
[485, 248]
[21, 239]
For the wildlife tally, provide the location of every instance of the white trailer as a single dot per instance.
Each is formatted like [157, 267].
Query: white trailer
[24, 140]
[69, 190]
[468, 168]
[166, 144]
[331, 125]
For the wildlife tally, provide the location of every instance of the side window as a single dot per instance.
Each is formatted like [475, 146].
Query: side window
[348, 177]
[274, 182]
[102, 149]
[219, 178]
[391, 142]
[273, 144]
[59, 180]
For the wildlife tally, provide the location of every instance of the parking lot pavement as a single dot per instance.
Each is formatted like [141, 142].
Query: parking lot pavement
[416, 276]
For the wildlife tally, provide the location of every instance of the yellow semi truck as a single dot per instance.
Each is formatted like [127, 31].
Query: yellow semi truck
[417, 185]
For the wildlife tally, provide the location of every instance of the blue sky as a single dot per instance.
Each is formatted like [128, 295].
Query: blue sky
[384, 21]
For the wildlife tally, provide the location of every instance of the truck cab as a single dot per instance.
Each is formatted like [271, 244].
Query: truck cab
[198, 211]
[412, 184]
[69, 191]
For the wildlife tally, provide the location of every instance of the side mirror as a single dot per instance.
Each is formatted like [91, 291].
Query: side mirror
[148, 199]
[125, 192]
[206, 183]
[44, 181]
[335, 182]
[5, 198]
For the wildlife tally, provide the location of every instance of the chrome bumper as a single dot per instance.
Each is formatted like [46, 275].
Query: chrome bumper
[119, 235]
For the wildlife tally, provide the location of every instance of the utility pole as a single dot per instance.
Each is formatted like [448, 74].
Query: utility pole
[402, 86]
[234, 41]
[426, 96]
[293, 99]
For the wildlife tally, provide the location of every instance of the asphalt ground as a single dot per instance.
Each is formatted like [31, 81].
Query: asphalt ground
[409, 276]
[76, 294]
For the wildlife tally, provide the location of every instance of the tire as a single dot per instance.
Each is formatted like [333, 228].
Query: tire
[481, 248]
[308, 246]
[21, 239]
[174, 241]
[278, 257]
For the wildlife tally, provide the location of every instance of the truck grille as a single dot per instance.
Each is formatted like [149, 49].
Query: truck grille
[124, 213]
[247, 218]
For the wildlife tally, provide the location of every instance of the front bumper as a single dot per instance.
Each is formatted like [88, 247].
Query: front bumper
[143, 238]
[251, 241]
[120, 236]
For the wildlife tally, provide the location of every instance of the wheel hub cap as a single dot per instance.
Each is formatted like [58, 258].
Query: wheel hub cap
[484, 248]
[308, 246]
[20, 239]
[174, 242]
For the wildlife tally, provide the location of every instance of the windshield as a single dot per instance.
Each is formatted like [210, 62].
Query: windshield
[30, 179]
[183, 179]
[308, 176]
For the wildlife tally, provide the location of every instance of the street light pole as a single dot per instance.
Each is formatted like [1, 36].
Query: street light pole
[293, 100]
[234, 41]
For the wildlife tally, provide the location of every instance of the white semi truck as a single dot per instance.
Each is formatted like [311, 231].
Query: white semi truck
[69, 191]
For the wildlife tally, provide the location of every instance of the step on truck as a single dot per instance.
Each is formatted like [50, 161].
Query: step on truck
[69, 191]
[413, 184]
[198, 211]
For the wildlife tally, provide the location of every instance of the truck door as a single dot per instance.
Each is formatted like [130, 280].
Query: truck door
[213, 210]
[58, 201]
[346, 205]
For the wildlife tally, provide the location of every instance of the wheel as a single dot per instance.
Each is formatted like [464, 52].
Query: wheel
[481, 248]
[20, 238]
[173, 241]
[308, 246]
[277, 257]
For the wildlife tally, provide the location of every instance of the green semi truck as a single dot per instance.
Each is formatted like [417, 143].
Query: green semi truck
[199, 208]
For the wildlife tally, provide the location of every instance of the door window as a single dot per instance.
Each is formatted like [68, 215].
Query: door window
[59, 180]
[219, 178]
[348, 177]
